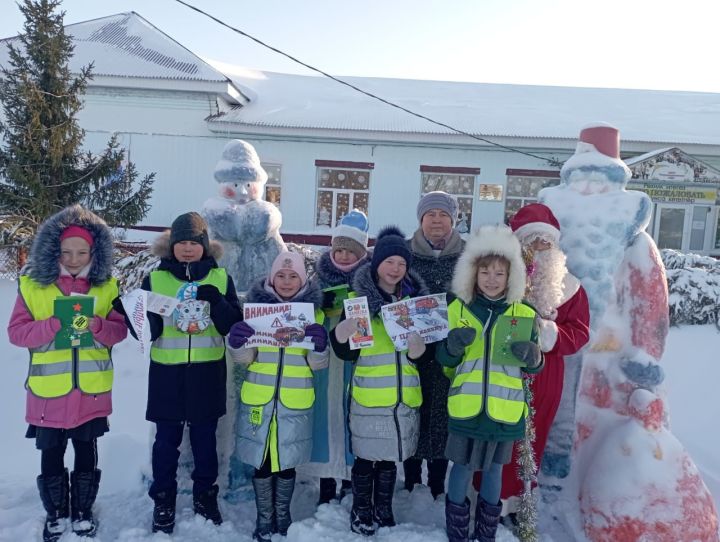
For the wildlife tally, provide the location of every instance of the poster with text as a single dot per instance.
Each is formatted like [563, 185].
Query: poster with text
[426, 315]
[281, 324]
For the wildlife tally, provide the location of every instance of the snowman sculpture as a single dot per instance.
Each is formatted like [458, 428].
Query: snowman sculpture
[247, 226]
[611, 461]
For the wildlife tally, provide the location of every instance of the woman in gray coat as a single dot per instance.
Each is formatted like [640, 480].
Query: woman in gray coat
[435, 247]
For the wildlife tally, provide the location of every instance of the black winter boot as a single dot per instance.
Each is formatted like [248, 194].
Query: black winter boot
[412, 469]
[54, 495]
[205, 504]
[265, 520]
[164, 512]
[83, 491]
[284, 488]
[457, 520]
[487, 517]
[345, 489]
[328, 490]
[384, 490]
[361, 515]
[437, 469]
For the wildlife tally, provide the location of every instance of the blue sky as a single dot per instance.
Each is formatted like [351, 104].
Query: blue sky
[660, 44]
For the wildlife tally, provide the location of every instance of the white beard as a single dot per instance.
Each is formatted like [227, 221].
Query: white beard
[545, 292]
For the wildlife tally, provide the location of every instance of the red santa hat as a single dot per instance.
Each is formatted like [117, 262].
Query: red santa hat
[604, 137]
[536, 219]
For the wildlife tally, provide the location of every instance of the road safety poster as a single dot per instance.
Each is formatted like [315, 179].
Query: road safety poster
[281, 324]
[426, 315]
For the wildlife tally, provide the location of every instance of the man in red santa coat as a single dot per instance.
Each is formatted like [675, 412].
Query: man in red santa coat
[562, 303]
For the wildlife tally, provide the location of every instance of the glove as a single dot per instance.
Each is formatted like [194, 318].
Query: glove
[416, 346]
[118, 306]
[458, 338]
[346, 329]
[209, 293]
[528, 352]
[317, 334]
[239, 334]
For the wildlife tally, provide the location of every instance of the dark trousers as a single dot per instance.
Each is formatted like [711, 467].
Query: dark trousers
[166, 452]
[437, 469]
[52, 460]
[366, 466]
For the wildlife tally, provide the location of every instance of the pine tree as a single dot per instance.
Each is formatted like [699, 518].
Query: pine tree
[42, 165]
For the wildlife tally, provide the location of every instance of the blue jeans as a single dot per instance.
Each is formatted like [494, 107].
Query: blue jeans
[460, 476]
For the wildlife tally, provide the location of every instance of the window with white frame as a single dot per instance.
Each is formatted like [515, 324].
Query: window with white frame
[272, 187]
[341, 187]
[458, 181]
[523, 186]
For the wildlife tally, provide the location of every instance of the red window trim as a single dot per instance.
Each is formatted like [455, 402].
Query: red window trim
[532, 173]
[344, 164]
[451, 170]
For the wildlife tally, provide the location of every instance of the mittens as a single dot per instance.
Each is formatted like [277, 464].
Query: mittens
[317, 334]
[528, 352]
[416, 346]
[209, 293]
[239, 334]
[458, 339]
[345, 329]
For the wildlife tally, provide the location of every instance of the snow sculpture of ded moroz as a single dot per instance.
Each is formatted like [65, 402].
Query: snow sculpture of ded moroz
[247, 226]
[611, 452]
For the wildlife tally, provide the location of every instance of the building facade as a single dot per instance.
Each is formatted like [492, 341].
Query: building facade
[328, 148]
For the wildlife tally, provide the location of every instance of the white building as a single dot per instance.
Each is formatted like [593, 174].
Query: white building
[329, 148]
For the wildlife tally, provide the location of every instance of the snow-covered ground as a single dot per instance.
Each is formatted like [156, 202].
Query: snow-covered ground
[124, 509]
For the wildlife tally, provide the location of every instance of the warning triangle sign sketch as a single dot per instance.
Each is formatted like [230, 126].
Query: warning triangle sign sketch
[277, 323]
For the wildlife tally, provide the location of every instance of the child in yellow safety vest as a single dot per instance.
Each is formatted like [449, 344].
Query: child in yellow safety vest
[274, 422]
[69, 385]
[486, 401]
[188, 371]
[385, 393]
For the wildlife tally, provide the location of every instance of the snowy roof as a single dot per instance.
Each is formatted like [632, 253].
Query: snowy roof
[298, 101]
[126, 45]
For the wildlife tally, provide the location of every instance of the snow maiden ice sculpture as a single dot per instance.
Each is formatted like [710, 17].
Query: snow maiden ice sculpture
[611, 452]
[247, 226]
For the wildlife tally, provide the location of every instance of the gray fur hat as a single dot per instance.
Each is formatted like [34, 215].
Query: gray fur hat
[44, 263]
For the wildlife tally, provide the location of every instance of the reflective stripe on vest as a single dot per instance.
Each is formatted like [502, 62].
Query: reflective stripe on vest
[502, 395]
[375, 375]
[296, 381]
[53, 372]
[175, 346]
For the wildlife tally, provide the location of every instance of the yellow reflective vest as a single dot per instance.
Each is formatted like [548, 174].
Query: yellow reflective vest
[382, 376]
[174, 346]
[282, 371]
[478, 383]
[56, 372]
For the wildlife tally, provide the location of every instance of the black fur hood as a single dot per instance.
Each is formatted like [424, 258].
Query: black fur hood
[44, 263]
[364, 285]
[329, 275]
[310, 293]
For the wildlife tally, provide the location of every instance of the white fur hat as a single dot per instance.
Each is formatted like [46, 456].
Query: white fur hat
[498, 240]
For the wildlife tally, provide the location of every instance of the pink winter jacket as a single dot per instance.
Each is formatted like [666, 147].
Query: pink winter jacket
[75, 408]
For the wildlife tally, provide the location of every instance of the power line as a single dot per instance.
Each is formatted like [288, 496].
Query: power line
[550, 161]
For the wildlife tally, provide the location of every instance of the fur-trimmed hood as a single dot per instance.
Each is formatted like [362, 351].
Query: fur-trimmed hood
[487, 240]
[364, 285]
[44, 263]
[161, 247]
[310, 293]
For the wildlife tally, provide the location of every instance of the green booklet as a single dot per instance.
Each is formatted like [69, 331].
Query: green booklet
[74, 313]
[509, 329]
